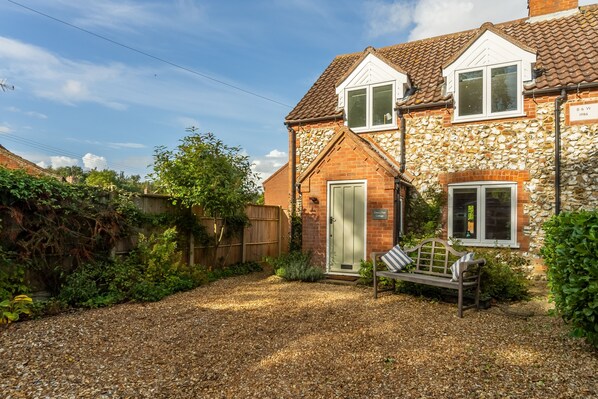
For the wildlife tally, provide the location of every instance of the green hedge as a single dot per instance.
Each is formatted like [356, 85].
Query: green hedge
[571, 255]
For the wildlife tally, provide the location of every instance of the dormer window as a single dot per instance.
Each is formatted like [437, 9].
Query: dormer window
[369, 91]
[486, 78]
[491, 91]
[370, 106]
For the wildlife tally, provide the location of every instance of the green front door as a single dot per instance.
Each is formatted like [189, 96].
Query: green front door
[346, 227]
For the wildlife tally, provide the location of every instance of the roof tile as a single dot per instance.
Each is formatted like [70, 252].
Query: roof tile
[567, 48]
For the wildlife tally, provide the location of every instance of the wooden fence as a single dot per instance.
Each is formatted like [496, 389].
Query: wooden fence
[267, 234]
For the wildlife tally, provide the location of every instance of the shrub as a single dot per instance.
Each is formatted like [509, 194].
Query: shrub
[296, 266]
[503, 276]
[12, 276]
[238, 269]
[151, 272]
[12, 309]
[571, 255]
[366, 275]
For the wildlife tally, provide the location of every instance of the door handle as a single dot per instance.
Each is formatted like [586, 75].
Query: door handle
[332, 220]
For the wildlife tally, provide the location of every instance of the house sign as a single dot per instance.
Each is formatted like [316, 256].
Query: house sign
[583, 112]
[380, 214]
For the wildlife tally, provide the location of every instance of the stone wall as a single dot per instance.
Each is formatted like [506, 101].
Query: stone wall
[435, 147]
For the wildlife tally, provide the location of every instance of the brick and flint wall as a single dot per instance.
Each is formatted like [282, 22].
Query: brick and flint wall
[439, 153]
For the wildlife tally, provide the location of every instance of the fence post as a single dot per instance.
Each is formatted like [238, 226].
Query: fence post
[279, 231]
[244, 246]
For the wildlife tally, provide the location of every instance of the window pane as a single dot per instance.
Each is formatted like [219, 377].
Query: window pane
[471, 91]
[504, 88]
[498, 213]
[382, 105]
[465, 213]
[356, 109]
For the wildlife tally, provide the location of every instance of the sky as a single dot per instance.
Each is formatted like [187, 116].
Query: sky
[100, 84]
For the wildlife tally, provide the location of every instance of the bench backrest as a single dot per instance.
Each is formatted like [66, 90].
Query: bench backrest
[434, 256]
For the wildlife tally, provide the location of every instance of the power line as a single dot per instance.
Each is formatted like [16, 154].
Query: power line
[150, 55]
[54, 150]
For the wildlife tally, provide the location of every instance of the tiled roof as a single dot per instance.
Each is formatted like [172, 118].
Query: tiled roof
[567, 51]
[10, 160]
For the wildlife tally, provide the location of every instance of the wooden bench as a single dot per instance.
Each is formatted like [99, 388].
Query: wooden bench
[432, 262]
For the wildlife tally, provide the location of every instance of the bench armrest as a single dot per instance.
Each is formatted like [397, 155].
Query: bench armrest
[475, 262]
[375, 255]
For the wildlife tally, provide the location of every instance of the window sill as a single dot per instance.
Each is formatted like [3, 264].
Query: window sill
[483, 118]
[488, 244]
[379, 128]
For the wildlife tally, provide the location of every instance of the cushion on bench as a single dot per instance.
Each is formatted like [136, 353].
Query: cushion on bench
[456, 267]
[396, 259]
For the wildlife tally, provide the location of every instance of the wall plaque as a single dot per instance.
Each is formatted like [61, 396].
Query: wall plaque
[380, 214]
[583, 112]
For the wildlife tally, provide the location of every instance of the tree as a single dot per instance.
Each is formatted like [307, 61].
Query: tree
[203, 171]
[106, 179]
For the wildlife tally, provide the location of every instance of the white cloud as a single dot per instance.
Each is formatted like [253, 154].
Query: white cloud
[74, 89]
[126, 145]
[33, 114]
[276, 154]
[384, 18]
[5, 129]
[91, 161]
[265, 165]
[429, 18]
[60, 161]
[42, 164]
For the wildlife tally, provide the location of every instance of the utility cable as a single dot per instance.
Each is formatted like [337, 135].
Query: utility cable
[203, 75]
[54, 150]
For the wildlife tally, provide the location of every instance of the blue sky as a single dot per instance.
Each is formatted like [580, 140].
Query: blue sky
[81, 100]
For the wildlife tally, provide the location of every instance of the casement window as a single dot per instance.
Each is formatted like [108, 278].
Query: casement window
[370, 107]
[489, 92]
[483, 213]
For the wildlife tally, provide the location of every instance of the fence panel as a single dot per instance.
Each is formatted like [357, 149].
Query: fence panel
[266, 235]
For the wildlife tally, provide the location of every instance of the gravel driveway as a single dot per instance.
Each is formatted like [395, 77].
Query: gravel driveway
[259, 337]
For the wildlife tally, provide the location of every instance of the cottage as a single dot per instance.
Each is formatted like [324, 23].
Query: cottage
[503, 119]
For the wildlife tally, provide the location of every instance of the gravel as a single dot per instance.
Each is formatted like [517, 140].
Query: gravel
[257, 336]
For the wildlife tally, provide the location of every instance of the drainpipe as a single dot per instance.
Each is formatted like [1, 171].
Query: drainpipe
[293, 167]
[557, 150]
[397, 191]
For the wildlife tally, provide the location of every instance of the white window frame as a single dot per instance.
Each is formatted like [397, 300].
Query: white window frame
[481, 210]
[487, 94]
[369, 126]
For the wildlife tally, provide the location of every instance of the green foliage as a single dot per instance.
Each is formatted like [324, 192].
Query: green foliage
[238, 269]
[424, 212]
[12, 275]
[366, 273]
[503, 276]
[12, 309]
[151, 272]
[296, 266]
[571, 255]
[52, 226]
[205, 172]
[106, 179]
[296, 240]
